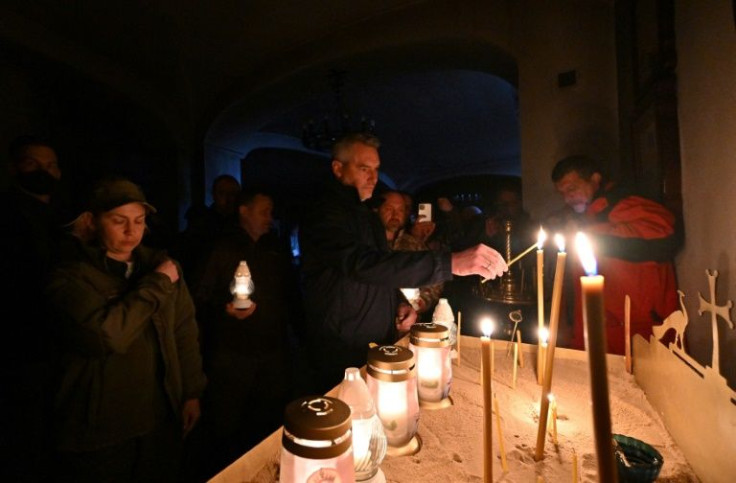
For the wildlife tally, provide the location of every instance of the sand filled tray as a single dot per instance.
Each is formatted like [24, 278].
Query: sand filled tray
[452, 440]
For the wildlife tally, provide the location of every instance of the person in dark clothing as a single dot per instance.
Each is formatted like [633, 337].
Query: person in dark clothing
[350, 278]
[206, 224]
[31, 229]
[130, 368]
[245, 350]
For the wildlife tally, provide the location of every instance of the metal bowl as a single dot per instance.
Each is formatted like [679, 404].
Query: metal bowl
[637, 461]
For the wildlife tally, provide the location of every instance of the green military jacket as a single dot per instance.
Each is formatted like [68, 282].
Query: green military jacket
[129, 348]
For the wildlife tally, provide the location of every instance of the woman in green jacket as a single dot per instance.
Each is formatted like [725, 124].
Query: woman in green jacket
[131, 370]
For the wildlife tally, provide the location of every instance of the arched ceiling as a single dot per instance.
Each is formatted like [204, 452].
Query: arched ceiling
[227, 72]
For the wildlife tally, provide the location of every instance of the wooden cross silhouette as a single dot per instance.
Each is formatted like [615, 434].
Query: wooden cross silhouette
[715, 310]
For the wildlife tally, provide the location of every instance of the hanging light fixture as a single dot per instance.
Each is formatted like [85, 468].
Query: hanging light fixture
[321, 136]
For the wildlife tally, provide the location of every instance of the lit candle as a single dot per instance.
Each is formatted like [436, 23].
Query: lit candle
[485, 344]
[242, 286]
[542, 355]
[553, 416]
[627, 333]
[574, 467]
[595, 341]
[457, 340]
[541, 238]
[430, 344]
[504, 463]
[554, 319]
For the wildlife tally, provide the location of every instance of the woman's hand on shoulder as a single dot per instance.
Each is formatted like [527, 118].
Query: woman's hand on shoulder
[168, 268]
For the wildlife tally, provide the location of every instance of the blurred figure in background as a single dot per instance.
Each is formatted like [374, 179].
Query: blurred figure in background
[635, 240]
[206, 224]
[31, 229]
[393, 214]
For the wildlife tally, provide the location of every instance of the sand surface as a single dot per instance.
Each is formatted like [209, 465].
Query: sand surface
[452, 446]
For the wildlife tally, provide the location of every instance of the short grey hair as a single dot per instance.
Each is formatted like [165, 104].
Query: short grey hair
[346, 142]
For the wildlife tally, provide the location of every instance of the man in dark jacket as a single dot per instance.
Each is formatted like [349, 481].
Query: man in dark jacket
[351, 278]
[245, 350]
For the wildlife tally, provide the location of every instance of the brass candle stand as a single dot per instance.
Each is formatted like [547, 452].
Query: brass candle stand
[516, 286]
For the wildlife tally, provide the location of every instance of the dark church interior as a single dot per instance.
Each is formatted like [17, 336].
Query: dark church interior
[172, 94]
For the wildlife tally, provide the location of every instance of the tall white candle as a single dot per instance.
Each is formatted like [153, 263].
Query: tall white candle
[541, 238]
[554, 319]
[485, 344]
[595, 340]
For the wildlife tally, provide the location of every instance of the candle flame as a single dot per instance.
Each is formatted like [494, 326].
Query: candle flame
[541, 238]
[585, 250]
[551, 397]
[486, 326]
[560, 242]
[543, 335]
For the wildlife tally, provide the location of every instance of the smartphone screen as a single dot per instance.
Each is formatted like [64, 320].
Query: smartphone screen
[425, 212]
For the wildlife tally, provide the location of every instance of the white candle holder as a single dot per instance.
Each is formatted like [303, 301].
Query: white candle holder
[317, 443]
[391, 380]
[242, 286]
[430, 343]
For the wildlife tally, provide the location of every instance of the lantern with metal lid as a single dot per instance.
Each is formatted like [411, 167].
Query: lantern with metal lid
[430, 343]
[391, 380]
[317, 442]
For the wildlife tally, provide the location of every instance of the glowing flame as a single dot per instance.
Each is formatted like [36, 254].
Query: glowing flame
[585, 250]
[543, 335]
[486, 326]
[560, 242]
[541, 238]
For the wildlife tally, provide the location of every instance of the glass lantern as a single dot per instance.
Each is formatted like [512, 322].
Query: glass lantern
[391, 380]
[430, 343]
[242, 286]
[317, 443]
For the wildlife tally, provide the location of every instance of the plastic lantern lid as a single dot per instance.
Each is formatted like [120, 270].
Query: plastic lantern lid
[390, 363]
[429, 335]
[321, 423]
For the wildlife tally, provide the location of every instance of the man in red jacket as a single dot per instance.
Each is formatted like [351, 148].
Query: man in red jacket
[635, 242]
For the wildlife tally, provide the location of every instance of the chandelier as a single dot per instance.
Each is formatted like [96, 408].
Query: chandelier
[321, 136]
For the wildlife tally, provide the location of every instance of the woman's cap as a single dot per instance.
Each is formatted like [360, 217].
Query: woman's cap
[113, 192]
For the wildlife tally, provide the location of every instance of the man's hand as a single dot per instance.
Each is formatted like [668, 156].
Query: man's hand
[406, 316]
[189, 415]
[240, 314]
[479, 260]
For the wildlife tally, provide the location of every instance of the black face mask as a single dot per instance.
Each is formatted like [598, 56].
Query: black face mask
[38, 182]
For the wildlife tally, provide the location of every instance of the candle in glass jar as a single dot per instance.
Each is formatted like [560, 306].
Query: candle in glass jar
[592, 286]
